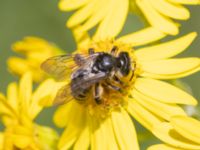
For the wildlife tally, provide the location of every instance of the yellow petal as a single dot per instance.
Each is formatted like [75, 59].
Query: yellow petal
[64, 111]
[168, 9]
[1, 140]
[187, 127]
[46, 89]
[172, 76]
[17, 65]
[164, 92]
[187, 2]
[25, 90]
[98, 15]
[163, 110]
[47, 137]
[31, 45]
[82, 37]
[68, 5]
[7, 141]
[170, 68]
[112, 142]
[48, 98]
[26, 120]
[142, 37]
[22, 130]
[98, 135]
[20, 66]
[68, 138]
[74, 128]
[144, 117]
[102, 134]
[82, 14]
[157, 20]
[165, 50]
[21, 141]
[83, 141]
[12, 95]
[124, 130]
[5, 108]
[162, 147]
[114, 20]
[165, 132]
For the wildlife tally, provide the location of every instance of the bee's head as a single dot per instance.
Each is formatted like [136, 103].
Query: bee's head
[105, 62]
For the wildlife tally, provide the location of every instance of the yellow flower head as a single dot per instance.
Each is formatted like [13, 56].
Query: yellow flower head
[35, 51]
[181, 133]
[18, 111]
[145, 97]
[110, 15]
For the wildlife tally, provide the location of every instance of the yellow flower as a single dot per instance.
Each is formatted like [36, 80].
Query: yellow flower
[35, 51]
[146, 98]
[181, 133]
[110, 15]
[18, 112]
[160, 13]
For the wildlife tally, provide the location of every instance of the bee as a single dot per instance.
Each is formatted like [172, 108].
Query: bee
[94, 73]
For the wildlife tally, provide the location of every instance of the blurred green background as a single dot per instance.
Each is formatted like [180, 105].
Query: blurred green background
[42, 18]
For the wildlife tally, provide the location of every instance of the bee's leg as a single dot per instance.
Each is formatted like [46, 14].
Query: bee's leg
[111, 86]
[114, 50]
[91, 51]
[97, 93]
[79, 60]
[116, 79]
[132, 75]
[133, 72]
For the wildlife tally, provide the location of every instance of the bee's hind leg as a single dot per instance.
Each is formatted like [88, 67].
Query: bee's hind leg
[98, 90]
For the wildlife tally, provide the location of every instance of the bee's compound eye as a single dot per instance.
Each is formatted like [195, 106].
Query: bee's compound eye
[124, 63]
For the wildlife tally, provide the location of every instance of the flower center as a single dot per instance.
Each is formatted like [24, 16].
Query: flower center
[109, 73]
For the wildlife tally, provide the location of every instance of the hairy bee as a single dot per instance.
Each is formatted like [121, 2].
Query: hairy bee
[91, 74]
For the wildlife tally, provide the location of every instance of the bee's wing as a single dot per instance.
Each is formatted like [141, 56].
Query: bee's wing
[63, 95]
[59, 67]
[90, 80]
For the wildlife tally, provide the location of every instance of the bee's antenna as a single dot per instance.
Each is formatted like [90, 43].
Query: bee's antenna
[114, 50]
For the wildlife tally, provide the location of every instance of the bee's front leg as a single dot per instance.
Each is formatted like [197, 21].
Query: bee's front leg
[132, 72]
[116, 79]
